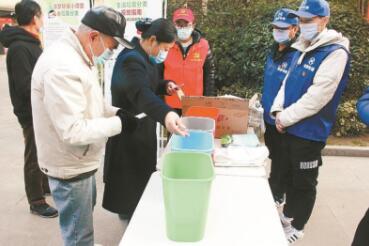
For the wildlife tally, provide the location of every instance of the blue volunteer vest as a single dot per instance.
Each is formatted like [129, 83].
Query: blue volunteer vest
[274, 73]
[319, 126]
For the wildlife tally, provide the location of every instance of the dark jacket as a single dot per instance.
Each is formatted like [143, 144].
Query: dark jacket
[277, 55]
[130, 157]
[24, 50]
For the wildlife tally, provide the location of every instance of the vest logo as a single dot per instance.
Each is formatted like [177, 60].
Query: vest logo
[312, 61]
[196, 57]
[283, 68]
[309, 66]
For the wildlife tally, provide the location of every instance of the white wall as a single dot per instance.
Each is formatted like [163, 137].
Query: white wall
[8, 4]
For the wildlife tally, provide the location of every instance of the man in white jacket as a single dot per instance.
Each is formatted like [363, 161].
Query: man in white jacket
[71, 121]
[305, 108]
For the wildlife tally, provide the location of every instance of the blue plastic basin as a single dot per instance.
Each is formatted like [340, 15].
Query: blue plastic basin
[197, 141]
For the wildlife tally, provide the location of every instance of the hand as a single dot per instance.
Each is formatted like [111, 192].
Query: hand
[129, 121]
[174, 124]
[278, 124]
[171, 88]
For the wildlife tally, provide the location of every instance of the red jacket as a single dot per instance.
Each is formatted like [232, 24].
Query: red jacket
[189, 69]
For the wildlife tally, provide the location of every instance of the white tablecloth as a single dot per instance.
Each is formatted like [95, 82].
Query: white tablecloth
[241, 213]
[250, 171]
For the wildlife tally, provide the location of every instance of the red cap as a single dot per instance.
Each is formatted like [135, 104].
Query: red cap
[183, 14]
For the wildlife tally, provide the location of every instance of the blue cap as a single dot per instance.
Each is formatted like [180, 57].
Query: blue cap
[283, 18]
[313, 8]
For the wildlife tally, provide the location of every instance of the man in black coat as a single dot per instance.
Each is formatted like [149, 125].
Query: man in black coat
[24, 46]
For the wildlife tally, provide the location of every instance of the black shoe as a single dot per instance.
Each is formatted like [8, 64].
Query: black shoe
[279, 201]
[43, 210]
[126, 217]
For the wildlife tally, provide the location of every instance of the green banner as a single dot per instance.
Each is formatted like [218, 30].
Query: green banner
[69, 11]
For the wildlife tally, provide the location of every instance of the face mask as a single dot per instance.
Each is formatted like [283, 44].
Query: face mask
[309, 31]
[184, 33]
[281, 36]
[160, 58]
[105, 56]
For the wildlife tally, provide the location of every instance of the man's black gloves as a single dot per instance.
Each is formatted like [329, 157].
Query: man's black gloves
[129, 121]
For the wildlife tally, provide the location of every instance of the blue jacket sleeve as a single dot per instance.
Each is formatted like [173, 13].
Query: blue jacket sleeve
[363, 107]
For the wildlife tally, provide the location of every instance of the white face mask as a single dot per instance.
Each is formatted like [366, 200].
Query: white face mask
[309, 31]
[105, 56]
[281, 36]
[184, 33]
[160, 58]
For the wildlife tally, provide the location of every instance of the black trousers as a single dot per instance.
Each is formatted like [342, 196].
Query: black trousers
[276, 146]
[304, 159]
[36, 182]
[362, 232]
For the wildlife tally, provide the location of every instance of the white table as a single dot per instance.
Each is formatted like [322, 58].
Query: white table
[241, 213]
[250, 171]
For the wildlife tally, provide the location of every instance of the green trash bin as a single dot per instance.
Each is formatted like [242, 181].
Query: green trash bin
[187, 179]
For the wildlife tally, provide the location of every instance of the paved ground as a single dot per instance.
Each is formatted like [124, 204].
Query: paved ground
[343, 196]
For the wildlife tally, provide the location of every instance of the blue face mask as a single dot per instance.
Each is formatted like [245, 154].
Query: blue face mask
[281, 36]
[105, 56]
[309, 31]
[160, 58]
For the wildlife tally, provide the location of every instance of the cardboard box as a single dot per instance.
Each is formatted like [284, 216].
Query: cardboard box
[233, 112]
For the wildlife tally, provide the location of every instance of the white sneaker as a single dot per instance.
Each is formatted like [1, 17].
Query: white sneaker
[293, 235]
[286, 221]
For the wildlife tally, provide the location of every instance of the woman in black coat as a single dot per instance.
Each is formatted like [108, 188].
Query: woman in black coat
[130, 157]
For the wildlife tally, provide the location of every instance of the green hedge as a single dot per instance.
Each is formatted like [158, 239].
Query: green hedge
[239, 32]
[348, 123]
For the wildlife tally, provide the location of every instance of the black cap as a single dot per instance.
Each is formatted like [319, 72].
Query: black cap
[108, 21]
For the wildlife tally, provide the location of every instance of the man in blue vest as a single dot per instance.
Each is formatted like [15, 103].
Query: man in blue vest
[305, 108]
[277, 64]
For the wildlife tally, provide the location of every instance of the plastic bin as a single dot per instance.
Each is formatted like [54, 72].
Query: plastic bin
[197, 111]
[196, 141]
[187, 179]
[199, 123]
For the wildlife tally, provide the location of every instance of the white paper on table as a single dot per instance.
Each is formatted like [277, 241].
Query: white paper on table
[241, 156]
[245, 140]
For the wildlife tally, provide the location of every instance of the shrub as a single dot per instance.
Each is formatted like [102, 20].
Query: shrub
[239, 32]
[348, 123]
